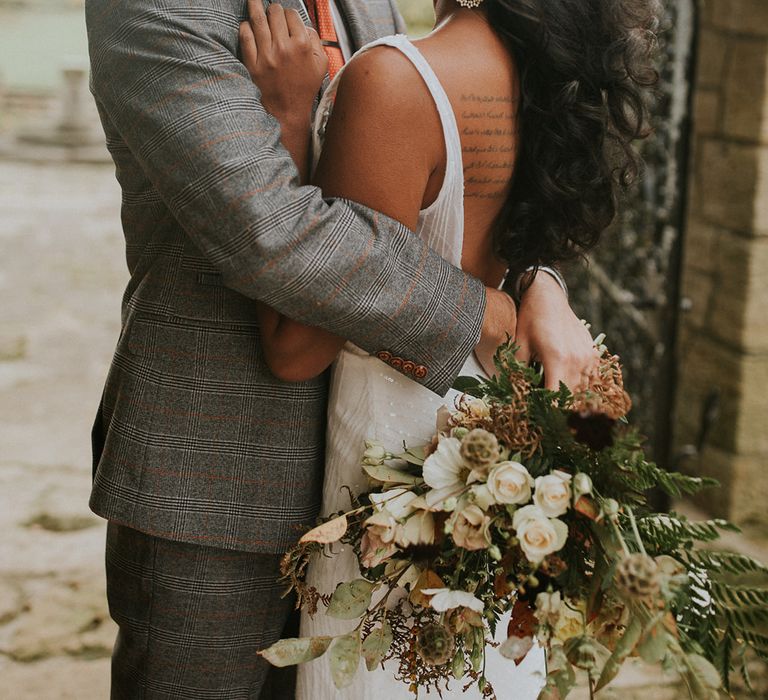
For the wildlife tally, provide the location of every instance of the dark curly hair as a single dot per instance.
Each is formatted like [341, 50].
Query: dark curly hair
[584, 68]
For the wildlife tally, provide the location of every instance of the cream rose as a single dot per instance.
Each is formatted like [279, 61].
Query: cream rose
[582, 485]
[548, 608]
[470, 528]
[374, 453]
[482, 496]
[553, 493]
[510, 482]
[570, 622]
[538, 534]
[476, 408]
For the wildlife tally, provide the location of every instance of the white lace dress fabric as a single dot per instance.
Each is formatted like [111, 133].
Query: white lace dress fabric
[370, 400]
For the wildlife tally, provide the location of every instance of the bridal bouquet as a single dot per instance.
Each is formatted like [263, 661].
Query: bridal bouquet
[532, 502]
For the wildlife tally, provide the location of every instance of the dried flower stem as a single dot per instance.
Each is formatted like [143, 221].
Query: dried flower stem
[636, 531]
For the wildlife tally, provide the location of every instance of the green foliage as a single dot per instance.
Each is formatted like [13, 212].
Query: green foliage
[288, 652]
[350, 600]
[724, 562]
[666, 534]
[377, 644]
[344, 658]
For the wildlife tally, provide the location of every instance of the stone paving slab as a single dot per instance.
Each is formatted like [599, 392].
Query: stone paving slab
[62, 271]
[58, 678]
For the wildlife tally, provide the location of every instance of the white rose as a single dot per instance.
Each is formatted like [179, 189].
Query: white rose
[476, 408]
[510, 482]
[582, 485]
[538, 535]
[374, 453]
[482, 496]
[553, 493]
[548, 607]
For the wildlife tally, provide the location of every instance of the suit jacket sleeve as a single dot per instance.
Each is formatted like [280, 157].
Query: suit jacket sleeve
[166, 78]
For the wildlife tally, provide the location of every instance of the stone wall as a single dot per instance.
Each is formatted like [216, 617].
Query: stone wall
[723, 343]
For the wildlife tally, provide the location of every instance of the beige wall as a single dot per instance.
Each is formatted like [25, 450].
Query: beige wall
[724, 335]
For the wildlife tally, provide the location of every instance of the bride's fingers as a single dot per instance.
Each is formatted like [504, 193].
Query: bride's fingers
[259, 25]
[554, 374]
[248, 50]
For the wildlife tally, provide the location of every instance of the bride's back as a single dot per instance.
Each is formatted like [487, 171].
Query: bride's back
[548, 99]
[480, 78]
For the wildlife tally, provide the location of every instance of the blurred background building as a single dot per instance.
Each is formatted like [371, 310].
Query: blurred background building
[680, 285]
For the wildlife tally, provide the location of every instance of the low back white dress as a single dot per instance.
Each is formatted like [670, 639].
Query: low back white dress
[370, 400]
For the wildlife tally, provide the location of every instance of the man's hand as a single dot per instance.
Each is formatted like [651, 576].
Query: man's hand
[545, 328]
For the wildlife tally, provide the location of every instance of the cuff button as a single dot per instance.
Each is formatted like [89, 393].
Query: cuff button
[420, 372]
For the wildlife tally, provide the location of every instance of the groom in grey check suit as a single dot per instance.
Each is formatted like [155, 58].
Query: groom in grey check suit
[205, 465]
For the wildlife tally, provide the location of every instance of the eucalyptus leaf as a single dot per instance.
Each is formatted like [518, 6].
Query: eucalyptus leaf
[414, 455]
[622, 650]
[377, 644]
[704, 672]
[654, 645]
[458, 665]
[390, 475]
[350, 600]
[344, 658]
[561, 674]
[328, 532]
[289, 652]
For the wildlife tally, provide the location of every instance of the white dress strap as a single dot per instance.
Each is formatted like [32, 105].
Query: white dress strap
[441, 225]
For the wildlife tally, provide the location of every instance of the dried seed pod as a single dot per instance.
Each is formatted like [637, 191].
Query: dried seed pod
[435, 645]
[480, 448]
[638, 577]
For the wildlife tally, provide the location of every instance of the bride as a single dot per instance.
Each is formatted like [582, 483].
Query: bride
[501, 138]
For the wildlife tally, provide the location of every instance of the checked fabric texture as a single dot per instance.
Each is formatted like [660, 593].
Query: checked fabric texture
[195, 440]
[191, 620]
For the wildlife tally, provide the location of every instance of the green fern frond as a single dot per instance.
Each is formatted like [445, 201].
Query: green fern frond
[738, 596]
[725, 562]
[669, 533]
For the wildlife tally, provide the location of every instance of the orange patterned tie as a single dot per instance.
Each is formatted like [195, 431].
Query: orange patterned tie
[320, 12]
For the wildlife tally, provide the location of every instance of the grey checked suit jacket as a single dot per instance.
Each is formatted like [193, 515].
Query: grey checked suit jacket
[195, 440]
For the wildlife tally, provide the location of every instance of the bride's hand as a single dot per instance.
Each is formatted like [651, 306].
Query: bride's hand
[549, 331]
[284, 58]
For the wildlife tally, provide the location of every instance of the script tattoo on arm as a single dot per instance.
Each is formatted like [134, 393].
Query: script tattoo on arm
[488, 144]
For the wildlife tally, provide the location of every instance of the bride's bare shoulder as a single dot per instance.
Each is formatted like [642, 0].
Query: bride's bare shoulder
[383, 74]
